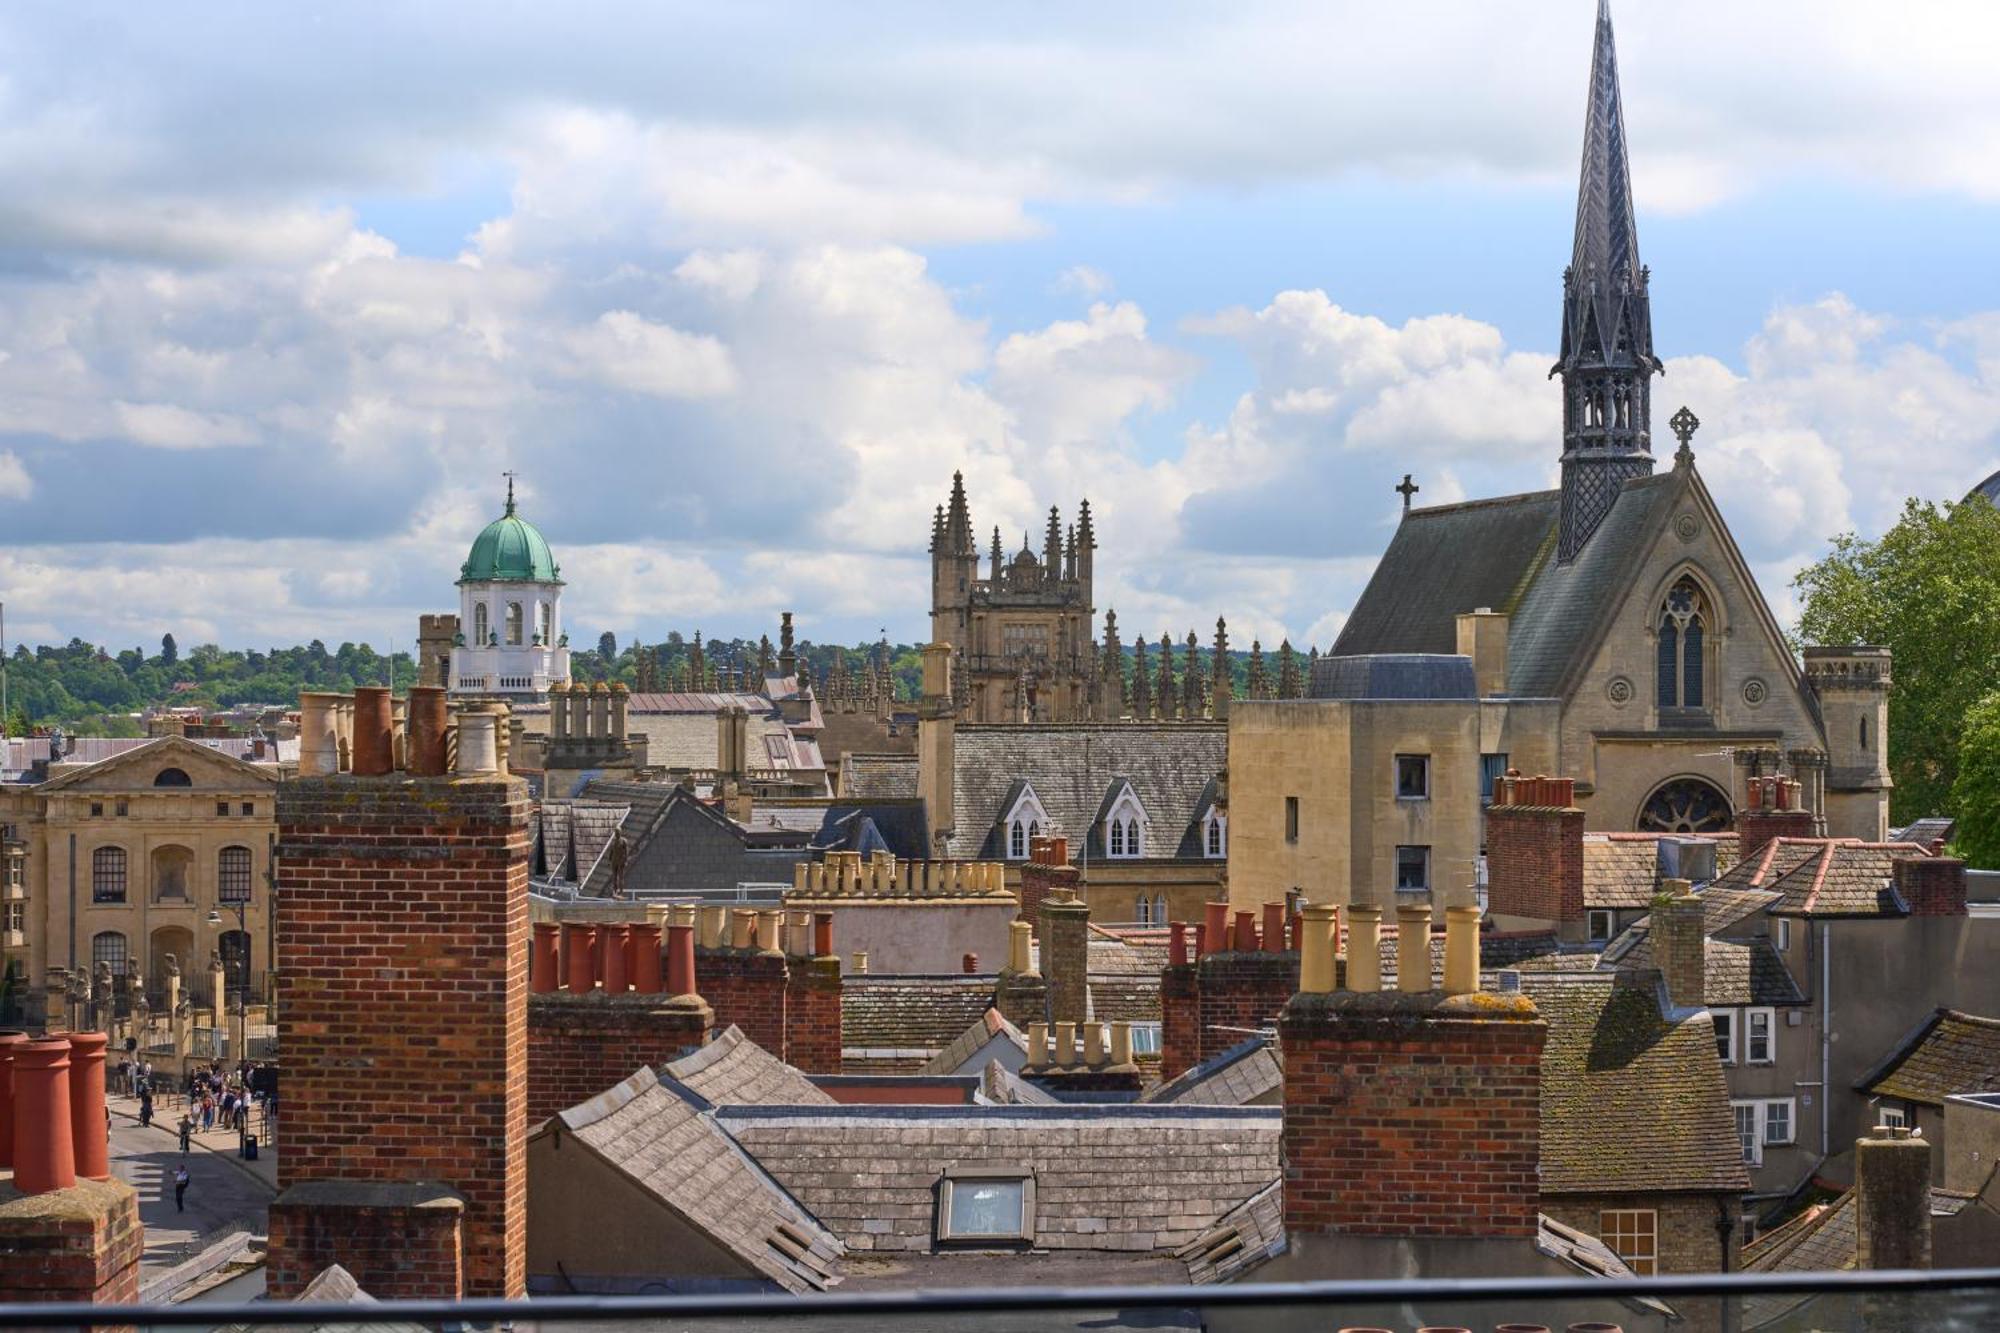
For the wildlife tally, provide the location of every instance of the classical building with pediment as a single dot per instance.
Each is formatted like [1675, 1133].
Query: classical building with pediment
[152, 864]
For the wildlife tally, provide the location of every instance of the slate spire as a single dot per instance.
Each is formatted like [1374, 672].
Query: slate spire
[1607, 334]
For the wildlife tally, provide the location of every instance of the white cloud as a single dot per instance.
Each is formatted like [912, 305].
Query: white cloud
[15, 483]
[626, 351]
[165, 426]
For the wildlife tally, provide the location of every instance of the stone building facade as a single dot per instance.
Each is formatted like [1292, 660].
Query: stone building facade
[1622, 593]
[138, 864]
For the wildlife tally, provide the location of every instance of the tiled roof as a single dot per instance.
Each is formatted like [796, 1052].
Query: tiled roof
[1127, 998]
[1737, 971]
[1170, 767]
[879, 775]
[1821, 1240]
[1241, 1238]
[732, 1070]
[1844, 879]
[1631, 1101]
[1001, 1086]
[1622, 870]
[1924, 832]
[1246, 1074]
[690, 739]
[1950, 1052]
[914, 1014]
[1131, 1178]
[1510, 948]
[672, 1148]
[988, 1027]
[575, 834]
[1775, 858]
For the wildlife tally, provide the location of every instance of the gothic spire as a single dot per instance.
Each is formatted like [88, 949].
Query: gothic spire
[1142, 682]
[1225, 682]
[1607, 335]
[1288, 672]
[1052, 547]
[998, 558]
[1259, 684]
[1164, 687]
[1191, 692]
[958, 520]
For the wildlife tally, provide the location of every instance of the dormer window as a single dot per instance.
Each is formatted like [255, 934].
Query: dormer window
[1125, 826]
[1215, 836]
[1024, 822]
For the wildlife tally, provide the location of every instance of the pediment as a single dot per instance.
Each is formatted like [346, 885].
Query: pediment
[137, 769]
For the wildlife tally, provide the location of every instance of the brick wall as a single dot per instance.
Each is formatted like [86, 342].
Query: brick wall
[1754, 828]
[82, 1243]
[1235, 991]
[402, 958]
[1685, 1224]
[1931, 885]
[1412, 1114]
[579, 1045]
[1180, 1019]
[1680, 946]
[401, 1238]
[1065, 935]
[812, 1015]
[1022, 998]
[1046, 868]
[1534, 862]
[745, 987]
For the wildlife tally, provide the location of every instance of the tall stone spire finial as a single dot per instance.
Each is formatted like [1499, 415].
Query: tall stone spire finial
[958, 520]
[1224, 688]
[1164, 696]
[1142, 682]
[1259, 683]
[1607, 359]
[998, 557]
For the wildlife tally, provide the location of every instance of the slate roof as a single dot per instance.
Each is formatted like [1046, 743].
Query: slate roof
[1393, 676]
[1622, 870]
[879, 775]
[573, 835]
[1737, 971]
[989, 1026]
[914, 1016]
[1445, 560]
[1924, 832]
[1239, 1076]
[1241, 1238]
[1499, 553]
[1171, 767]
[1949, 1052]
[1125, 999]
[667, 1141]
[732, 1070]
[1631, 1101]
[688, 738]
[1001, 1086]
[1130, 1178]
[1844, 879]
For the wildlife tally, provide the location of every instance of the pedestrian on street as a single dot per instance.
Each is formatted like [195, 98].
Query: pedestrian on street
[180, 1188]
[145, 1107]
[187, 1131]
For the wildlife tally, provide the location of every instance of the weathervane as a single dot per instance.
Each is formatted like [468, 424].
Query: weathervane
[1685, 424]
[509, 475]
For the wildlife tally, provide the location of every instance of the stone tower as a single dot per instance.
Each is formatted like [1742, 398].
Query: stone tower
[1607, 360]
[1021, 636]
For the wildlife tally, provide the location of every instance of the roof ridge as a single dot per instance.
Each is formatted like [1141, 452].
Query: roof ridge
[1490, 501]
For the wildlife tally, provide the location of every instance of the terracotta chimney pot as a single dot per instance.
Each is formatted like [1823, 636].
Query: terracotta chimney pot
[86, 1105]
[680, 959]
[617, 939]
[1177, 943]
[374, 732]
[1215, 919]
[543, 968]
[647, 973]
[44, 1155]
[580, 943]
[1246, 932]
[9, 1042]
[1274, 928]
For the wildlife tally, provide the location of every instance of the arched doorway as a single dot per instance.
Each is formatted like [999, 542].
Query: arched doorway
[1686, 805]
[171, 875]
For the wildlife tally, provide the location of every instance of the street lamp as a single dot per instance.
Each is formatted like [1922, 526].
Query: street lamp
[241, 1047]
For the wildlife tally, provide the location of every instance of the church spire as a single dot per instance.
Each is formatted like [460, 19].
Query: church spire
[958, 520]
[1607, 335]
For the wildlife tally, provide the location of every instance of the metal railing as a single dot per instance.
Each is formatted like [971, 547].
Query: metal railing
[1965, 1299]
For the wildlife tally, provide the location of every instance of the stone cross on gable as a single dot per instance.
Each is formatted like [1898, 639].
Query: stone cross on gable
[1685, 424]
[1406, 490]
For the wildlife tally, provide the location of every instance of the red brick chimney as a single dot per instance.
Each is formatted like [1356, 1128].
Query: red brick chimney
[1772, 810]
[812, 998]
[1931, 885]
[1411, 1113]
[1534, 850]
[743, 977]
[1046, 868]
[402, 954]
[1064, 928]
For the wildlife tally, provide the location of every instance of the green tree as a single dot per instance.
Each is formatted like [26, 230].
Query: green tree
[607, 648]
[170, 652]
[1929, 589]
[1975, 793]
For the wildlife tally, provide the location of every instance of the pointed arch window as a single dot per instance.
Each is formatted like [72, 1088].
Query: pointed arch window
[1215, 836]
[1125, 827]
[1680, 670]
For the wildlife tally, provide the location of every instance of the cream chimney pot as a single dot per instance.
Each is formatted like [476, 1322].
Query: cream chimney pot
[1413, 949]
[1461, 950]
[1318, 921]
[1364, 949]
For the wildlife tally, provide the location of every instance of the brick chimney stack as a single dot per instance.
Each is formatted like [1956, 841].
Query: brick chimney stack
[68, 1232]
[1534, 850]
[1680, 943]
[1931, 885]
[402, 955]
[1064, 927]
[1411, 1113]
[1772, 809]
[1892, 1200]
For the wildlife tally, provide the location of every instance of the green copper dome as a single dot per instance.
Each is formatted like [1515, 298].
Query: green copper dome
[510, 550]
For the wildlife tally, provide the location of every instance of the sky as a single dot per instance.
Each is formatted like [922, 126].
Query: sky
[736, 288]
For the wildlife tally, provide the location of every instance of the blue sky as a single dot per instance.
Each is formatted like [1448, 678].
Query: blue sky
[736, 289]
